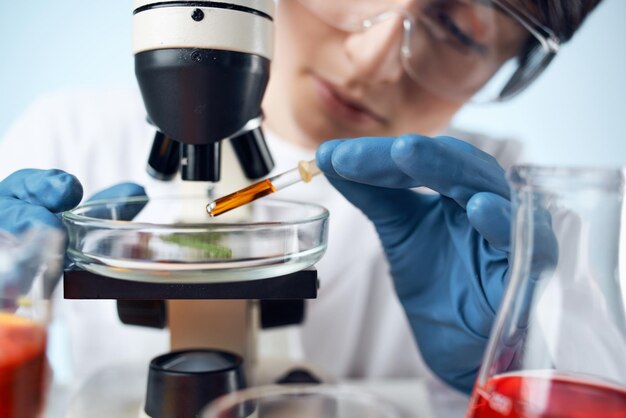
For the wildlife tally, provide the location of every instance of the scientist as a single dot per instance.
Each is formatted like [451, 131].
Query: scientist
[411, 280]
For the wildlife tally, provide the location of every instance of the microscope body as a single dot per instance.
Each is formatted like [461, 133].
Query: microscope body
[202, 68]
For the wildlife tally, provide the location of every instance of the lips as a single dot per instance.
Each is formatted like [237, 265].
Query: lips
[346, 106]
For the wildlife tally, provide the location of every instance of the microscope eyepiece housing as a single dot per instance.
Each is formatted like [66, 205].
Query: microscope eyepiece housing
[202, 68]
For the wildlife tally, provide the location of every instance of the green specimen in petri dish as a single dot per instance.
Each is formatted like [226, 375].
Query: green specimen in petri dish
[207, 243]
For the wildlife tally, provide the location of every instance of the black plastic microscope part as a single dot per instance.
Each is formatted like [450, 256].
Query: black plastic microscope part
[164, 157]
[143, 313]
[183, 383]
[81, 284]
[153, 313]
[280, 313]
[201, 162]
[197, 15]
[201, 96]
[299, 376]
[142, 304]
[253, 154]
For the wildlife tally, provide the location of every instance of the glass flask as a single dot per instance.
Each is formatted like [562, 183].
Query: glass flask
[29, 267]
[558, 346]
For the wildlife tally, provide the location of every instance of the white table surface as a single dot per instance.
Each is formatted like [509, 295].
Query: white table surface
[119, 391]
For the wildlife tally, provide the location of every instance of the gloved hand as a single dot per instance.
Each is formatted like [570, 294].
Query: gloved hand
[31, 198]
[34, 197]
[448, 252]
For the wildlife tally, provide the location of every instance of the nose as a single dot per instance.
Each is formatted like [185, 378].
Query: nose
[375, 52]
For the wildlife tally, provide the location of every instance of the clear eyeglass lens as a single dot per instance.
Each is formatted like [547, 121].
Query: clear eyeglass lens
[348, 15]
[459, 49]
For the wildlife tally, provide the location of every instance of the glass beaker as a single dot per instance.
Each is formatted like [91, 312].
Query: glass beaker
[28, 266]
[558, 346]
[303, 401]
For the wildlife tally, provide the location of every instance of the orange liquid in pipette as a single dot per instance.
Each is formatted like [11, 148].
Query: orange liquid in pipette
[242, 197]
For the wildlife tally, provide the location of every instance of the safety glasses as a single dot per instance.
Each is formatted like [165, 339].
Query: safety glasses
[483, 50]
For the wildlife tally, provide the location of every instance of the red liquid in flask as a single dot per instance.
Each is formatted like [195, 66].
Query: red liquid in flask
[22, 367]
[546, 396]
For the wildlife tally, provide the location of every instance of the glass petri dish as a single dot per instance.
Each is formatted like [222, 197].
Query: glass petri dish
[303, 401]
[172, 239]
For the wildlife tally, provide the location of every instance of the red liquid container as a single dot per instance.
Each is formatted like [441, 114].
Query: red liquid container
[546, 395]
[22, 367]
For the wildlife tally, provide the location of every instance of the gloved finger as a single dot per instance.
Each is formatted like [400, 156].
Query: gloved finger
[543, 261]
[123, 211]
[545, 254]
[446, 166]
[378, 202]
[18, 216]
[55, 190]
[119, 191]
[390, 209]
[394, 212]
[449, 166]
[363, 160]
[490, 215]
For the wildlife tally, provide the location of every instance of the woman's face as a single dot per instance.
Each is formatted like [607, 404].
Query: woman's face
[326, 83]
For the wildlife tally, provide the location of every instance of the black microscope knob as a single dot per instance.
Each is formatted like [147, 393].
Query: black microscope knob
[182, 383]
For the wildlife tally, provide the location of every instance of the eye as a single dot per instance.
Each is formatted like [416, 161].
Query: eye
[459, 21]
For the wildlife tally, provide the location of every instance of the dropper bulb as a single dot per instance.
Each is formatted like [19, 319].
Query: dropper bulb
[308, 170]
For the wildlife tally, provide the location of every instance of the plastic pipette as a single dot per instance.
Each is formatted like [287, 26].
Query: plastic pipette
[305, 171]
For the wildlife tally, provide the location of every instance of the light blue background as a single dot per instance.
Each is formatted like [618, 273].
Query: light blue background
[575, 114]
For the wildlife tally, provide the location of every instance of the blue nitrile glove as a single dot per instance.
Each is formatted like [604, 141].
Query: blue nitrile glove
[448, 252]
[31, 197]
[123, 212]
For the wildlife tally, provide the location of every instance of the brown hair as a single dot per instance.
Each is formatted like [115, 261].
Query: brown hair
[563, 17]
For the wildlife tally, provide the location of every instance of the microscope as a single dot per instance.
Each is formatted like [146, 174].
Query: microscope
[202, 68]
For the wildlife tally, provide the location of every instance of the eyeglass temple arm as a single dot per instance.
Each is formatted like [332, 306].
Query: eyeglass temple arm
[548, 39]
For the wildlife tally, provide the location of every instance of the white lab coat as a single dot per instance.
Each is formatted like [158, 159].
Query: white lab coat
[355, 328]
